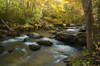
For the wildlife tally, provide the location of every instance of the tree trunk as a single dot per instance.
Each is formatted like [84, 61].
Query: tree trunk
[87, 6]
[6, 26]
[7, 5]
[99, 11]
[28, 5]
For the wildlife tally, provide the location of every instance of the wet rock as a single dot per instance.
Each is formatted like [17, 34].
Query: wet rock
[34, 47]
[0, 36]
[53, 32]
[28, 40]
[2, 49]
[65, 27]
[69, 39]
[51, 37]
[65, 38]
[58, 25]
[11, 50]
[81, 35]
[45, 43]
[82, 30]
[3, 36]
[80, 39]
[35, 35]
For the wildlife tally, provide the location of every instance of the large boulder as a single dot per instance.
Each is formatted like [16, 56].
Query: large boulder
[81, 39]
[82, 30]
[2, 49]
[69, 39]
[81, 35]
[45, 43]
[34, 35]
[65, 38]
[34, 47]
[11, 50]
[28, 40]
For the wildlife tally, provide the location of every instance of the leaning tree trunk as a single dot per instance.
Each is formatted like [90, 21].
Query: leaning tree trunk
[87, 6]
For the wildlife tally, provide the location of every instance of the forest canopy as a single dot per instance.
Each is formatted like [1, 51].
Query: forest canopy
[28, 12]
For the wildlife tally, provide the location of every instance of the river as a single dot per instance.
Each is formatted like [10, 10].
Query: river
[46, 56]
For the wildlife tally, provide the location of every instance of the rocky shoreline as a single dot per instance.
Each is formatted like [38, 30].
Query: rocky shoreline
[72, 38]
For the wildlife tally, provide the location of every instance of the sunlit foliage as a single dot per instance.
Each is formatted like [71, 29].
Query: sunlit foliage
[33, 11]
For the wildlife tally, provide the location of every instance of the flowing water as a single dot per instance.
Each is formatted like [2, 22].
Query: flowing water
[46, 56]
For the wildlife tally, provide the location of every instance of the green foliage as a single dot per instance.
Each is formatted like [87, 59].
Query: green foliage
[26, 12]
[17, 14]
[83, 60]
[33, 16]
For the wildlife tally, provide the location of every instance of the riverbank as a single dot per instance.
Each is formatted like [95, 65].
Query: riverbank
[16, 31]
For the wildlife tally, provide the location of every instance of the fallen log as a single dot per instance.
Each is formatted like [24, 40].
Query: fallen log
[6, 25]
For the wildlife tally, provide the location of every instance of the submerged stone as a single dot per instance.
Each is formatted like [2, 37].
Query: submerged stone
[34, 47]
[45, 43]
[35, 35]
[82, 30]
[28, 40]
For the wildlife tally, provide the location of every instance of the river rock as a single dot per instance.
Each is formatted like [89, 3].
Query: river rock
[65, 37]
[53, 32]
[0, 36]
[34, 47]
[1, 49]
[70, 39]
[35, 35]
[81, 39]
[3, 36]
[81, 35]
[28, 40]
[82, 30]
[11, 50]
[45, 43]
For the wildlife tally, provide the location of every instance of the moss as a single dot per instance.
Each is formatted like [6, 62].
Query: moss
[82, 60]
[45, 43]
[34, 47]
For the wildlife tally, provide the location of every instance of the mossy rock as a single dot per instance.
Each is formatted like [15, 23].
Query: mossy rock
[45, 43]
[34, 47]
[65, 38]
[28, 40]
[81, 35]
[34, 35]
[82, 30]
[0, 36]
[80, 41]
